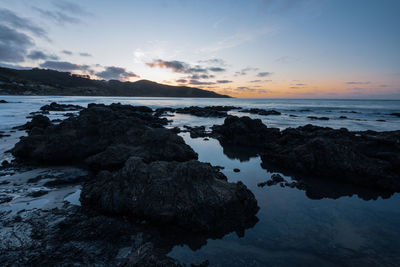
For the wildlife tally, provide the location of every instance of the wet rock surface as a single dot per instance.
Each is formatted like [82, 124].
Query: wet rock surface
[96, 132]
[262, 112]
[192, 195]
[142, 192]
[209, 111]
[53, 106]
[368, 159]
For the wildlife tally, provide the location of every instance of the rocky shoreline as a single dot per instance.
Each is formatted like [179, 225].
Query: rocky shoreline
[143, 190]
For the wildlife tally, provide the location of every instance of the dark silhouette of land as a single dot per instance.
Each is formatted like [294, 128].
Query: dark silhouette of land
[50, 82]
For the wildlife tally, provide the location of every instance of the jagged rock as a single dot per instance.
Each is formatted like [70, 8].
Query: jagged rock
[60, 107]
[244, 131]
[370, 159]
[191, 195]
[259, 111]
[94, 133]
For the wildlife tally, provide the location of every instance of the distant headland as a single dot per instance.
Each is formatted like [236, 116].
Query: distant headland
[50, 82]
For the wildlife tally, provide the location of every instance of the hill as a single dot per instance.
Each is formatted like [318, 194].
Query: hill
[50, 82]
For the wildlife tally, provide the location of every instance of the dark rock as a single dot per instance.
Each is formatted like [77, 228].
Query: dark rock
[209, 111]
[2, 101]
[236, 170]
[192, 195]
[370, 159]
[38, 193]
[244, 131]
[2, 134]
[395, 114]
[318, 118]
[342, 117]
[294, 116]
[259, 111]
[60, 107]
[38, 121]
[275, 179]
[381, 120]
[5, 163]
[196, 131]
[95, 130]
[5, 199]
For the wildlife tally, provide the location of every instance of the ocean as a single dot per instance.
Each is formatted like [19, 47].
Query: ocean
[337, 226]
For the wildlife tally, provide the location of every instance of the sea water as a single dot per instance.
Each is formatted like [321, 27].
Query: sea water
[338, 227]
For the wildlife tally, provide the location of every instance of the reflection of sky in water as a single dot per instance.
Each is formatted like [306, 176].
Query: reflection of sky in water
[296, 230]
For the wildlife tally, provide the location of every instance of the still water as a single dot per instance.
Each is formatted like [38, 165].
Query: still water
[335, 225]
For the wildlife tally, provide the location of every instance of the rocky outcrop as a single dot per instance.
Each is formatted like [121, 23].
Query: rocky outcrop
[192, 195]
[94, 135]
[244, 131]
[209, 111]
[262, 112]
[60, 107]
[370, 159]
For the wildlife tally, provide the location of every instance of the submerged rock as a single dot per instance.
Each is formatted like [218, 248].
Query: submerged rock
[318, 118]
[191, 195]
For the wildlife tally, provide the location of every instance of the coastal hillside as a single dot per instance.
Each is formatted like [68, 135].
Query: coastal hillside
[50, 82]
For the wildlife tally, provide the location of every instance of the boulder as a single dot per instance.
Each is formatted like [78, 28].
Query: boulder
[192, 195]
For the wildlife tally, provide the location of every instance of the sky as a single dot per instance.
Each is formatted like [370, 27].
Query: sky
[257, 48]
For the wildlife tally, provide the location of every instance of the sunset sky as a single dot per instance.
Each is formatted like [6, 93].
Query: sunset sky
[270, 48]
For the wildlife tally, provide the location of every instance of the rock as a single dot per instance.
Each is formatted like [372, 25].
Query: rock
[342, 117]
[294, 116]
[209, 111]
[38, 121]
[259, 111]
[196, 131]
[236, 170]
[96, 131]
[192, 195]
[381, 120]
[244, 131]
[318, 118]
[395, 114]
[369, 159]
[275, 179]
[2, 101]
[38, 193]
[5, 163]
[60, 107]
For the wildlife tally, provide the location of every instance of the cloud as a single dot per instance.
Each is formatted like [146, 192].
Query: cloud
[15, 36]
[287, 59]
[84, 54]
[64, 12]
[196, 82]
[358, 82]
[301, 84]
[116, 73]
[13, 45]
[57, 16]
[224, 81]
[175, 66]
[181, 81]
[201, 76]
[214, 61]
[264, 74]
[63, 66]
[9, 18]
[237, 39]
[67, 52]
[255, 81]
[39, 55]
[182, 67]
[217, 69]
[244, 71]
